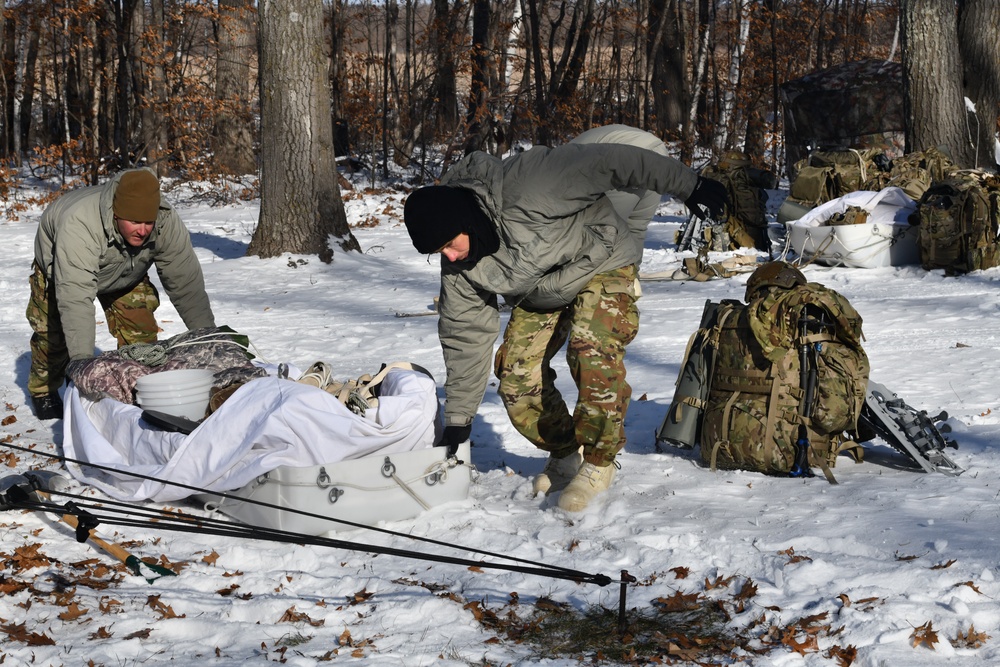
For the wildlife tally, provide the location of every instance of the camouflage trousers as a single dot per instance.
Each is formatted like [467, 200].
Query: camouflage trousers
[596, 328]
[129, 314]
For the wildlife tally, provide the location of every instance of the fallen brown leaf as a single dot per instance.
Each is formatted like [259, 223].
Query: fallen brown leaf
[971, 638]
[292, 616]
[924, 635]
[970, 585]
[943, 566]
[72, 612]
[165, 610]
[844, 656]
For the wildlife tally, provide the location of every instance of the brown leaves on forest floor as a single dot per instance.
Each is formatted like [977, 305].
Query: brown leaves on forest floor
[719, 624]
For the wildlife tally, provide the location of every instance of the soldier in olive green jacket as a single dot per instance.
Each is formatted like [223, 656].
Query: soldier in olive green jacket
[99, 243]
[557, 232]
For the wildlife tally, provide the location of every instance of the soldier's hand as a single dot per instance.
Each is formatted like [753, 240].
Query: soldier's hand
[708, 199]
[454, 436]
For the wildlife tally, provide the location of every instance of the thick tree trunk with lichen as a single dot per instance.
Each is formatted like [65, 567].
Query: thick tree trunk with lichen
[300, 207]
[932, 79]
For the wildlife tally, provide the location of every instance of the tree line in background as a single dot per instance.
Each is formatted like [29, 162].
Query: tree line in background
[204, 88]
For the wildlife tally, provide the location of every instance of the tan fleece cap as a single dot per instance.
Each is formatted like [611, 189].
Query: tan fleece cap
[137, 198]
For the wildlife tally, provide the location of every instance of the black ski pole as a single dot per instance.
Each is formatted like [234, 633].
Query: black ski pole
[807, 381]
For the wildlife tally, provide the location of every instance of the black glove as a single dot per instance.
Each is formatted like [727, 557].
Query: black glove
[708, 199]
[454, 436]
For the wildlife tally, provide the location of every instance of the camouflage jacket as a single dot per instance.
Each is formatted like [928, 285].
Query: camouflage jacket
[81, 251]
[557, 231]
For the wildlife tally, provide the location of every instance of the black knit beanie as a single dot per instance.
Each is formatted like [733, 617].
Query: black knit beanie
[436, 214]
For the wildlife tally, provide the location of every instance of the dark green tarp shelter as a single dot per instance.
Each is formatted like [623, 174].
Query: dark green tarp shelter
[854, 105]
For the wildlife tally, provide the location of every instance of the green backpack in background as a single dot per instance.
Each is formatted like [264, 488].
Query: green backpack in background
[826, 175]
[787, 369]
[745, 219]
[959, 218]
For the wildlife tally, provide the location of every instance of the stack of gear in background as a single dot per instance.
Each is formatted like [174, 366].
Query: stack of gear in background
[960, 223]
[953, 224]
[744, 222]
[780, 385]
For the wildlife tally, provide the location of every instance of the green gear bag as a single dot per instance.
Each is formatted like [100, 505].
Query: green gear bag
[812, 185]
[745, 218]
[959, 218]
[752, 415]
[826, 175]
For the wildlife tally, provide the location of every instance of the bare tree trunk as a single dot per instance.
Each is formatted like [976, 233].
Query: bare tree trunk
[690, 135]
[338, 80]
[106, 99]
[509, 22]
[300, 206]
[539, 85]
[28, 92]
[409, 120]
[388, 79]
[667, 48]
[233, 136]
[153, 45]
[979, 43]
[577, 43]
[26, 39]
[4, 91]
[932, 80]
[124, 93]
[446, 36]
[75, 84]
[726, 124]
[477, 117]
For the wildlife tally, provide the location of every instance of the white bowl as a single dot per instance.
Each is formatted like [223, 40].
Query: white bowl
[181, 379]
[192, 408]
[187, 392]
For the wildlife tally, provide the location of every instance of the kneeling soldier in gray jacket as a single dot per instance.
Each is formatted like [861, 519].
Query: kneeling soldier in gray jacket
[558, 232]
[99, 243]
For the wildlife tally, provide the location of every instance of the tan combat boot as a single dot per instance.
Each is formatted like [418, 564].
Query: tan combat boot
[587, 483]
[557, 473]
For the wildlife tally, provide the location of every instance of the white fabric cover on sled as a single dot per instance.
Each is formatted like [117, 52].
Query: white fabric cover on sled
[887, 239]
[267, 423]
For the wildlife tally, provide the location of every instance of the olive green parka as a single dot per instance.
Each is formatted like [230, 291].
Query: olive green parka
[557, 230]
[80, 250]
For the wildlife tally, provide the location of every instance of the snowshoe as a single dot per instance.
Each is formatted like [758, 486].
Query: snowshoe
[908, 430]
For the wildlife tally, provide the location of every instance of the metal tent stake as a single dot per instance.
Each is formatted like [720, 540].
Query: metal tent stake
[626, 580]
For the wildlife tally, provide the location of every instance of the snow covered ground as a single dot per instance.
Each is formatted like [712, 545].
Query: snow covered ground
[892, 567]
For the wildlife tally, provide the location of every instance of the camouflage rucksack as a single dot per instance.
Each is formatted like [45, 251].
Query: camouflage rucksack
[787, 365]
[826, 175]
[959, 219]
[745, 219]
[914, 172]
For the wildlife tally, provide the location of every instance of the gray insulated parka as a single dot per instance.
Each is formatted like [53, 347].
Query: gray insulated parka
[79, 247]
[557, 231]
